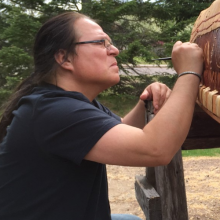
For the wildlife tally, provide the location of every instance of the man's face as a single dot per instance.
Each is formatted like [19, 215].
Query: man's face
[94, 64]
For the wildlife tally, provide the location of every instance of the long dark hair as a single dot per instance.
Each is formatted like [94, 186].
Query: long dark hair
[57, 33]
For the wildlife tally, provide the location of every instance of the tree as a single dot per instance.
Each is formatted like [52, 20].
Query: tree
[20, 20]
[176, 19]
[138, 28]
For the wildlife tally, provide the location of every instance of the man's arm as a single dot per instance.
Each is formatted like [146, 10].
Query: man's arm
[157, 92]
[159, 140]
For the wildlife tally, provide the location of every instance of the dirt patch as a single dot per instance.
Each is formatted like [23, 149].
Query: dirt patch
[202, 181]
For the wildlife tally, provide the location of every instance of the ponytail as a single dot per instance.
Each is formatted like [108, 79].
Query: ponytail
[23, 89]
[57, 33]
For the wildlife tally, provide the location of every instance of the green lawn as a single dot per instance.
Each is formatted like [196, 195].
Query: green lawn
[119, 104]
[214, 152]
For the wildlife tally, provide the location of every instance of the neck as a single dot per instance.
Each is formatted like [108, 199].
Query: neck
[89, 90]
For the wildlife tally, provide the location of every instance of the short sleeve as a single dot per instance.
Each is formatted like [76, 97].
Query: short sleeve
[68, 127]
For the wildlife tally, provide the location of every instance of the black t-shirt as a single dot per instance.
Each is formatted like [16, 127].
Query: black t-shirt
[42, 171]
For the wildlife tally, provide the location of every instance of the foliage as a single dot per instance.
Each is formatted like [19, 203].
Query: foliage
[138, 28]
[134, 85]
[120, 104]
[128, 26]
[175, 18]
[122, 97]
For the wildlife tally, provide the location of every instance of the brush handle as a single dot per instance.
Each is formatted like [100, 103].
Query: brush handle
[164, 58]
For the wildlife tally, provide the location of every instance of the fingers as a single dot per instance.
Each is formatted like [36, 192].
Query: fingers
[160, 95]
[187, 57]
[159, 101]
[178, 43]
[157, 92]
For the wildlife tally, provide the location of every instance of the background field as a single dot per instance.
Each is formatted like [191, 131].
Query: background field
[202, 175]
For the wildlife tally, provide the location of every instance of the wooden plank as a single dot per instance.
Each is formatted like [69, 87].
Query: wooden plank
[201, 143]
[150, 175]
[204, 131]
[169, 183]
[148, 198]
[203, 125]
[145, 186]
[171, 188]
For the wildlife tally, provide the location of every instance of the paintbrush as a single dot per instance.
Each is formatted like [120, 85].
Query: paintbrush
[164, 58]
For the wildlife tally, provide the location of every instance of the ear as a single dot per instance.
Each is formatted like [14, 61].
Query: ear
[63, 60]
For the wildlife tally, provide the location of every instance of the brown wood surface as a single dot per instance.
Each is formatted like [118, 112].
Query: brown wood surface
[171, 188]
[148, 198]
[150, 175]
[210, 43]
[206, 33]
[168, 182]
[204, 131]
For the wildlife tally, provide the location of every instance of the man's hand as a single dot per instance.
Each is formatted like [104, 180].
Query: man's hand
[187, 57]
[158, 92]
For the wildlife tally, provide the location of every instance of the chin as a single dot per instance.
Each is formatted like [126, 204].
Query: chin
[111, 83]
[116, 80]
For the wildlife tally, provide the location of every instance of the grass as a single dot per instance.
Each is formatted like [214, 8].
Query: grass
[119, 104]
[212, 152]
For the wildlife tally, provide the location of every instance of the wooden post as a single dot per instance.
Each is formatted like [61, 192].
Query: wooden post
[171, 188]
[148, 198]
[168, 183]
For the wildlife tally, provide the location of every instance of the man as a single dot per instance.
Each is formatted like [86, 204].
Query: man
[60, 138]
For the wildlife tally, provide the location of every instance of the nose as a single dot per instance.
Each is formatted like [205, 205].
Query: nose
[113, 50]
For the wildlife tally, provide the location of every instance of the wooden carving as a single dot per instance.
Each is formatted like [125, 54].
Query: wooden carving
[206, 33]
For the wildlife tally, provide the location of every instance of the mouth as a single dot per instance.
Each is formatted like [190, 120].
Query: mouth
[114, 64]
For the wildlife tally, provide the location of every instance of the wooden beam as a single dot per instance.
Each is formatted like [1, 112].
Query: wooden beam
[201, 143]
[150, 175]
[148, 198]
[168, 182]
[171, 188]
[204, 131]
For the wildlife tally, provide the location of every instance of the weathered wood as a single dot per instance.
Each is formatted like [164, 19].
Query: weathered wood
[204, 131]
[149, 111]
[150, 175]
[206, 34]
[171, 188]
[169, 183]
[150, 171]
[201, 143]
[148, 199]
[145, 186]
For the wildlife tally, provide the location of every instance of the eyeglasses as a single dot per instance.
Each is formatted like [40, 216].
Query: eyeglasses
[107, 44]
